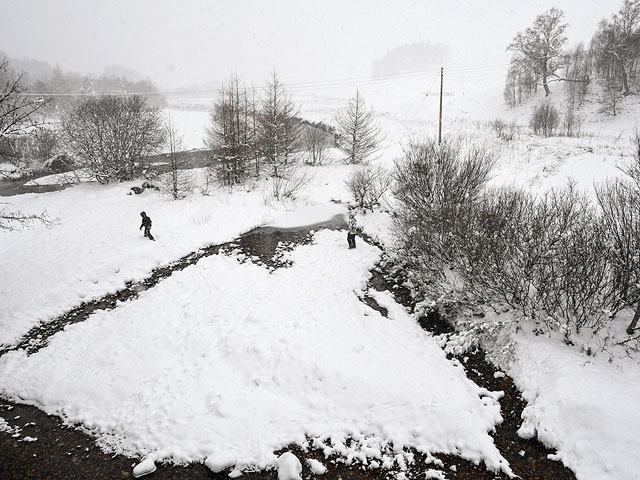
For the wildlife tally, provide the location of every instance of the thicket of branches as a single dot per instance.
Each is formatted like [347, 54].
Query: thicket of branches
[558, 259]
[20, 113]
[368, 184]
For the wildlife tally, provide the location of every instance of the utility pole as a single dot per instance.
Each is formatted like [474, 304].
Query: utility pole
[440, 126]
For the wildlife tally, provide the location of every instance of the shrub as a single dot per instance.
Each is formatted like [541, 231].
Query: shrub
[505, 131]
[368, 185]
[545, 119]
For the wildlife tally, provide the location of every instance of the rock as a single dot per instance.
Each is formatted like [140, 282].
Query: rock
[137, 190]
[145, 467]
[289, 467]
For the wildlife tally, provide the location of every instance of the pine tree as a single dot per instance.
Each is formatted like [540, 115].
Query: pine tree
[358, 132]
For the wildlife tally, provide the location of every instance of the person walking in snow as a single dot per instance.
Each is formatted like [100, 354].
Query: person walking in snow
[352, 227]
[146, 224]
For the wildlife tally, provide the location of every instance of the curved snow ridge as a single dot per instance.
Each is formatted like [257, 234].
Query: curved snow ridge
[227, 362]
[586, 409]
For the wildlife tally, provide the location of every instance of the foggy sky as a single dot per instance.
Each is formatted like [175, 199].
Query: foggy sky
[197, 41]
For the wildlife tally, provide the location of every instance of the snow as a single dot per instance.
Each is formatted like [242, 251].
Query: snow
[145, 467]
[300, 217]
[585, 407]
[96, 246]
[243, 361]
[317, 468]
[289, 467]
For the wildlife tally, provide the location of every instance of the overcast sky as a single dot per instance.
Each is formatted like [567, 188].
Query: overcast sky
[191, 42]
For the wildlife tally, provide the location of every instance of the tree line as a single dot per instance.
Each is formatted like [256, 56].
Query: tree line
[251, 133]
[541, 57]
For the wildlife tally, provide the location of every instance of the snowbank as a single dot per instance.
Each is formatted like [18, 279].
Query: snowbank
[585, 407]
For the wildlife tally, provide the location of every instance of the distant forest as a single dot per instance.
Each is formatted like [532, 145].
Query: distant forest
[66, 87]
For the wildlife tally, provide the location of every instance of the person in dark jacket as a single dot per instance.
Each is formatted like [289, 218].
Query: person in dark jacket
[352, 227]
[146, 224]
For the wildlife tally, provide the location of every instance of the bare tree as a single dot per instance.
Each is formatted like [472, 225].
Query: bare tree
[616, 44]
[113, 135]
[18, 110]
[359, 134]
[177, 183]
[540, 46]
[231, 134]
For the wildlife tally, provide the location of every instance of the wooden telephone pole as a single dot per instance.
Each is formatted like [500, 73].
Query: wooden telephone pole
[440, 126]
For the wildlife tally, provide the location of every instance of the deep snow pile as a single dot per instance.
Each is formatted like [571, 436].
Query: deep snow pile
[227, 362]
[584, 406]
[97, 246]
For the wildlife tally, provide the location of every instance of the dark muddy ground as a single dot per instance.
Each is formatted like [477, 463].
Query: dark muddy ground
[62, 452]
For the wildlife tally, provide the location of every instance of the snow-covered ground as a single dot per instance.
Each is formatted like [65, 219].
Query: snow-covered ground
[227, 362]
[584, 406]
[97, 246]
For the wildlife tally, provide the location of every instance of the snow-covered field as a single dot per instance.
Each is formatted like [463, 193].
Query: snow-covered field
[227, 362]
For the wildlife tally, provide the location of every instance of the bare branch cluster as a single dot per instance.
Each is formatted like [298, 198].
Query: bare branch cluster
[558, 258]
[113, 135]
[368, 184]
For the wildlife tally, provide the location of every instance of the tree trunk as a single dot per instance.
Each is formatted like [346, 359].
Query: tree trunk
[634, 322]
[625, 81]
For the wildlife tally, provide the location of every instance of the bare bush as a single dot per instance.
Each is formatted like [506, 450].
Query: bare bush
[571, 123]
[114, 135]
[45, 142]
[542, 257]
[435, 184]
[368, 185]
[505, 131]
[291, 180]
[316, 144]
[619, 201]
[545, 119]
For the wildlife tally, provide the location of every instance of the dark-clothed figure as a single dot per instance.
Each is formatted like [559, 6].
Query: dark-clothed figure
[352, 227]
[146, 224]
